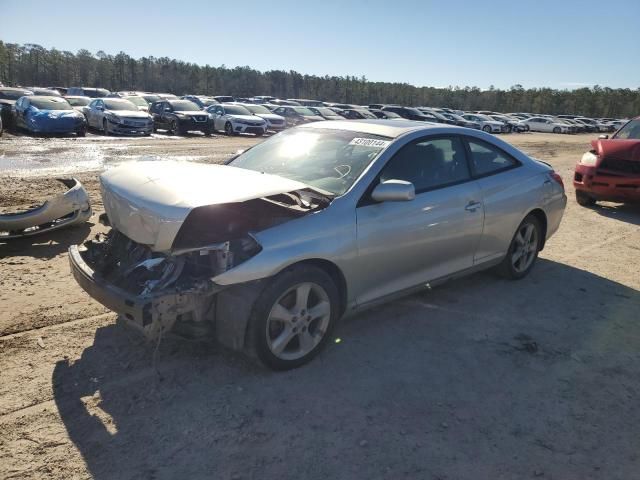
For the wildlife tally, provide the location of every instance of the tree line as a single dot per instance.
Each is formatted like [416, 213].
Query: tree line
[34, 65]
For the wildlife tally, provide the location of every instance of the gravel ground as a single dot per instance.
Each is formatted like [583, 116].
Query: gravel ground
[480, 378]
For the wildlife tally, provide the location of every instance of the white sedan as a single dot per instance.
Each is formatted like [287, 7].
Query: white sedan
[487, 124]
[235, 119]
[543, 124]
[275, 122]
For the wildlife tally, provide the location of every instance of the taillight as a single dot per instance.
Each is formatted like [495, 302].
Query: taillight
[558, 179]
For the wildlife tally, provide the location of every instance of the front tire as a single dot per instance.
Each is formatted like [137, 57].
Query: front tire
[105, 127]
[82, 132]
[557, 130]
[524, 249]
[294, 316]
[585, 200]
[486, 128]
[228, 129]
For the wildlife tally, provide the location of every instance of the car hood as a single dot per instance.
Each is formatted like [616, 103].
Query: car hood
[270, 116]
[192, 112]
[617, 148]
[246, 118]
[54, 114]
[313, 118]
[149, 201]
[128, 113]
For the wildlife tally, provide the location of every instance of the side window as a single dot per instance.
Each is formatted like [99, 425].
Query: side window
[92, 105]
[487, 159]
[429, 164]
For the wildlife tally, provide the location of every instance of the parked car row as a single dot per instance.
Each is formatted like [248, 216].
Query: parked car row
[140, 113]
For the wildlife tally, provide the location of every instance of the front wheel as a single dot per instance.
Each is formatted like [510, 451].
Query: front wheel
[228, 128]
[556, 130]
[487, 128]
[82, 132]
[293, 317]
[585, 200]
[105, 127]
[523, 251]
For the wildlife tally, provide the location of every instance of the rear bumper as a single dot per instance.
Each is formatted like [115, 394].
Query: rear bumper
[606, 186]
[152, 314]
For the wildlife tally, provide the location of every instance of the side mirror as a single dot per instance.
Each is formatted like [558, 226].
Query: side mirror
[394, 191]
[603, 137]
[167, 109]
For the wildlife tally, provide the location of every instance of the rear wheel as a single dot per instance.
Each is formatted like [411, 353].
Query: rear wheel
[105, 126]
[584, 199]
[523, 251]
[174, 129]
[82, 132]
[487, 128]
[228, 128]
[556, 130]
[293, 317]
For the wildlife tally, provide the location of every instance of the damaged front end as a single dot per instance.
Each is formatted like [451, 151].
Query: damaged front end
[152, 291]
[65, 209]
[156, 265]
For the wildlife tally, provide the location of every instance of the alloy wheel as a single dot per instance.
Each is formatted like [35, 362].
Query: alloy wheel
[526, 246]
[298, 321]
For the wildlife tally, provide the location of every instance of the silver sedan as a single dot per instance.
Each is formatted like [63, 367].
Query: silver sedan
[270, 251]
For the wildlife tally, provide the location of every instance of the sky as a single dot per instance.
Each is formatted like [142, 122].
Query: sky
[536, 43]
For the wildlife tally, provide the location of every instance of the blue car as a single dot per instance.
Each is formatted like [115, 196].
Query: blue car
[44, 114]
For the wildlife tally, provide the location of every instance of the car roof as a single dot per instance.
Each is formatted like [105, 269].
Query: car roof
[385, 128]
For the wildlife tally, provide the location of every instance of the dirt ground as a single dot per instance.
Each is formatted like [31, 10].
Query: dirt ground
[480, 378]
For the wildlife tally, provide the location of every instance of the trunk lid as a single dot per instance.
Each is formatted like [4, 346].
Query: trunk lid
[149, 201]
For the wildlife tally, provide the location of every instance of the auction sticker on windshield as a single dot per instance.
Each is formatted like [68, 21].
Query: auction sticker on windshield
[369, 142]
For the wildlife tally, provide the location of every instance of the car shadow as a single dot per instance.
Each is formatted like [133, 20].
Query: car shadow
[482, 372]
[624, 212]
[47, 244]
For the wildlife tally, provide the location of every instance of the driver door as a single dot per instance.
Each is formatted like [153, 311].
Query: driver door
[403, 244]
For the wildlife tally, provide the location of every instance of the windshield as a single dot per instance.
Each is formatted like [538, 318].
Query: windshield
[483, 117]
[13, 94]
[257, 109]
[120, 104]
[304, 111]
[330, 160]
[138, 101]
[184, 106]
[631, 131]
[326, 112]
[365, 113]
[55, 103]
[78, 102]
[236, 110]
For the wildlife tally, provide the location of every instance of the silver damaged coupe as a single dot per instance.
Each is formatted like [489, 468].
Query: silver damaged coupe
[269, 251]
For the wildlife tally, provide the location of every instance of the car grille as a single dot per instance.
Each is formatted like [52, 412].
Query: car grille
[631, 167]
[276, 122]
[131, 122]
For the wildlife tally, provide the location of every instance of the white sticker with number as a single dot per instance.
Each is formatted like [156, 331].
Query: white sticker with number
[369, 142]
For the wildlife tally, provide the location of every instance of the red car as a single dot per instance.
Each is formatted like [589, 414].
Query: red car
[610, 171]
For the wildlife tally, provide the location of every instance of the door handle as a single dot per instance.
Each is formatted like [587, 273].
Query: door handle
[472, 206]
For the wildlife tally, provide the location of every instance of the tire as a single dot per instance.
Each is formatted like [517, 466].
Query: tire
[259, 134]
[557, 130]
[209, 131]
[523, 251]
[486, 128]
[584, 199]
[82, 132]
[228, 129]
[174, 129]
[105, 127]
[282, 332]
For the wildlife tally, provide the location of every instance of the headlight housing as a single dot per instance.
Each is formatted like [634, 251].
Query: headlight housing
[589, 159]
[113, 118]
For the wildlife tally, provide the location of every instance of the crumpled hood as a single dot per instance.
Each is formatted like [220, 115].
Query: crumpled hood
[149, 201]
[617, 148]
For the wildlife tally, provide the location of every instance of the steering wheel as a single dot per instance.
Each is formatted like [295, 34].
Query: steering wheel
[337, 168]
